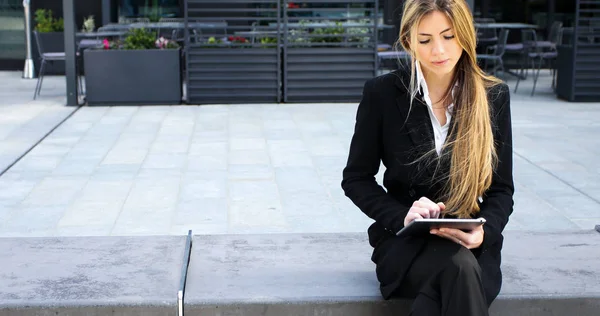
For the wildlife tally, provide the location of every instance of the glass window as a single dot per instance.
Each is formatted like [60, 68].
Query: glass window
[152, 9]
[12, 30]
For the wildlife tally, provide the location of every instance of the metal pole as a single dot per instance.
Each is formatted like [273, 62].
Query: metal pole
[29, 68]
[106, 12]
[70, 51]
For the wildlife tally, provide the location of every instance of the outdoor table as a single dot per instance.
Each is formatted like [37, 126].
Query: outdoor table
[505, 26]
[330, 24]
[393, 54]
[166, 25]
[94, 39]
[100, 34]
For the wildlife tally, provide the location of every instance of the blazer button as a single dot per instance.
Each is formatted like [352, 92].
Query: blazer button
[412, 193]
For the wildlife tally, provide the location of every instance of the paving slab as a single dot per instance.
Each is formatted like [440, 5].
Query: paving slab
[331, 274]
[24, 121]
[90, 276]
[268, 168]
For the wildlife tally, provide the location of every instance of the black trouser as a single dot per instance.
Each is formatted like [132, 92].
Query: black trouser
[445, 279]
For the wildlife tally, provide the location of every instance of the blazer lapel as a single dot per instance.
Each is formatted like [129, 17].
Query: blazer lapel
[418, 124]
[416, 117]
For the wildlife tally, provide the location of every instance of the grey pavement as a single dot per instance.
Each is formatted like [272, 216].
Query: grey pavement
[258, 168]
[23, 122]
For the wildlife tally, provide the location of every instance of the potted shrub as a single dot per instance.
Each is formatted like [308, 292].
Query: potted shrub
[234, 69]
[142, 69]
[51, 33]
[328, 63]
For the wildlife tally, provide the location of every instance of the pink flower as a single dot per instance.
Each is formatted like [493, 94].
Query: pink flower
[106, 44]
[161, 42]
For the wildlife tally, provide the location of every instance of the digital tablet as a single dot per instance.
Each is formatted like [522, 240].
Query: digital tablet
[423, 226]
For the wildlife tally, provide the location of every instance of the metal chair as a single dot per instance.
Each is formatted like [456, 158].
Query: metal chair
[486, 36]
[48, 57]
[497, 55]
[553, 36]
[537, 54]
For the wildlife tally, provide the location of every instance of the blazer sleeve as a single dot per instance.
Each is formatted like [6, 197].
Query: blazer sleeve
[498, 203]
[366, 149]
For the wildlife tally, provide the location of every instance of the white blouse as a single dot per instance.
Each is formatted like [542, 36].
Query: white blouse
[440, 132]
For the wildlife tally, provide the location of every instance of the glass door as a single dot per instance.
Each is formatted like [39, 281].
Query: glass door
[12, 31]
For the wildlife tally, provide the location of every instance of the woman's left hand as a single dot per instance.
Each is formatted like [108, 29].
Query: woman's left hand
[470, 240]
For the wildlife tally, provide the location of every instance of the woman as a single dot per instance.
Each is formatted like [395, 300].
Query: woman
[443, 131]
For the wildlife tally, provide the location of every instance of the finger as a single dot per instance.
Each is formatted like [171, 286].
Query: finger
[424, 212]
[412, 216]
[458, 234]
[452, 238]
[442, 206]
[425, 200]
[428, 204]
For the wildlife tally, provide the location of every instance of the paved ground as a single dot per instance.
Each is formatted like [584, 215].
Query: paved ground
[23, 122]
[254, 168]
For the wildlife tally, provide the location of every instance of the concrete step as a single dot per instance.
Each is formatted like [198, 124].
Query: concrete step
[331, 274]
[90, 275]
[547, 274]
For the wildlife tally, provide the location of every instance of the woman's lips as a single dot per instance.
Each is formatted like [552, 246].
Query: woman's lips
[440, 63]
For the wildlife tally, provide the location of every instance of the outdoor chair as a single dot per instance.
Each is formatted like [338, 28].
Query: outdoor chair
[48, 57]
[539, 55]
[497, 54]
[553, 37]
[486, 36]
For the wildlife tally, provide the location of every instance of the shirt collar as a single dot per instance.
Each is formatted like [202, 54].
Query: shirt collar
[422, 85]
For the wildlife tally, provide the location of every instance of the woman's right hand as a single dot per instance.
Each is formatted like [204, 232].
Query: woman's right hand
[424, 208]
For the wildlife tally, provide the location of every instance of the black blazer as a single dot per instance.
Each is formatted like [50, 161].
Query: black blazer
[385, 132]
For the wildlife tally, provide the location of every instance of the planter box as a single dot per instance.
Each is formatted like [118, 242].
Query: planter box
[52, 42]
[137, 77]
[578, 77]
[233, 75]
[564, 73]
[335, 74]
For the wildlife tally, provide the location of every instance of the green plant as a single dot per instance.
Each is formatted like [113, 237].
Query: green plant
[214, 42]
[89, 24]
[140, 39]
[154, 14]
[268, 41]
[45, 22]
[361, 34]
[328, 33]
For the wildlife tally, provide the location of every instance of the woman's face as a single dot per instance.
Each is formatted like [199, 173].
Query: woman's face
[437, 49]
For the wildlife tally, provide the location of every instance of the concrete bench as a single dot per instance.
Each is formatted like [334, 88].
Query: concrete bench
[275, 274]
[331, 274]
[90, 275]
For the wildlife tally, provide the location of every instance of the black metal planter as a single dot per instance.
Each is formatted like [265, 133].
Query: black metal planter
[139, 77]
[578, 63]
[335, 74]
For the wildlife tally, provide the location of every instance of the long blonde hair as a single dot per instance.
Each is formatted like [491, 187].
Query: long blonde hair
[473, 155]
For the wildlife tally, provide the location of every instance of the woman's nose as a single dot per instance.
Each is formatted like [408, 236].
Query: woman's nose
[438, 48]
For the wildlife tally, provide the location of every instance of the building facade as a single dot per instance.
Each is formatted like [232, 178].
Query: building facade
[12, 37]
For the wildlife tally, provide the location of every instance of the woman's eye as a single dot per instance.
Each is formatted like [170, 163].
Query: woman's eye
[424, 42]
[449, 37]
